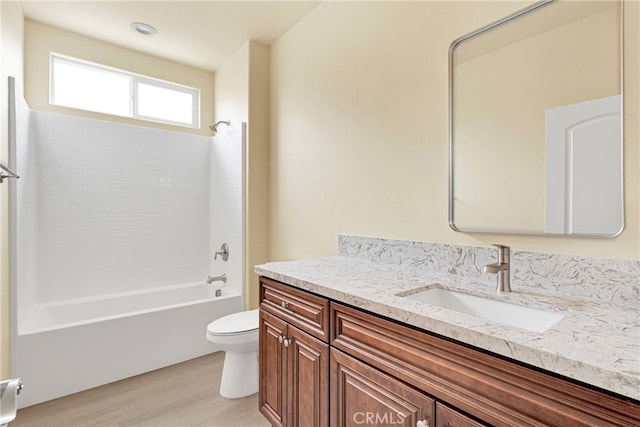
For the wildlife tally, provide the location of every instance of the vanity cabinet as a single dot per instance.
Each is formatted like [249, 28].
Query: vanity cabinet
[448, 417]
[319, 358]
[362, 395]
[294, 363]
[489, 389]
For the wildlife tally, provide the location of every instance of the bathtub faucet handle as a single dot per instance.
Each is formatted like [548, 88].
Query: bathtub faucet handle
[223, 252]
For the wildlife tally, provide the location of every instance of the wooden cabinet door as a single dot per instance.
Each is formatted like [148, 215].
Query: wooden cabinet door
[272, 359]
[447, 417]
[308, 383]
[362, 395]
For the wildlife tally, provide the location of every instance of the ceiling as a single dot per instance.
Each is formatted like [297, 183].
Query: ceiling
[203, 34]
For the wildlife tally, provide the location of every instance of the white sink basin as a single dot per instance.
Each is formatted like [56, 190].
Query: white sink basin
[531, 319]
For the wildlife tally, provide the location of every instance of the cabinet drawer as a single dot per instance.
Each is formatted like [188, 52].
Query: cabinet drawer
[447, 417]
[362, 395]
[497, 391]
[305, 311]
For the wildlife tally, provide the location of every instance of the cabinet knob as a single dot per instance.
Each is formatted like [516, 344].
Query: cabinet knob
[280, 339]
[423, 423]
[287, 342]
[284, 304]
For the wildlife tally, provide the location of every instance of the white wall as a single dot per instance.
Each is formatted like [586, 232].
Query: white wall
[24, 231]
[118, 208]
[226, 203]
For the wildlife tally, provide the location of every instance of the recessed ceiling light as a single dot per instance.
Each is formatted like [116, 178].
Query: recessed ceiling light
[144, 29]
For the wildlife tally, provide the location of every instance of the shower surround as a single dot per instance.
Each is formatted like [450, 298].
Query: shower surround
[113, 237]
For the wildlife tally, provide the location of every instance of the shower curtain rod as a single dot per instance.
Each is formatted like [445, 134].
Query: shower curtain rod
[7, 169]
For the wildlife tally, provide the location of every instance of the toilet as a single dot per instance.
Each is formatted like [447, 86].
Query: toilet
[237, 335]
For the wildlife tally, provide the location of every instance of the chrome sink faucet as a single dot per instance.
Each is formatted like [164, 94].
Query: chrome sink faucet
[501, 268]
[222, 278]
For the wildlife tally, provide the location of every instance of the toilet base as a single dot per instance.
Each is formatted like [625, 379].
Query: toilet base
[239, 375]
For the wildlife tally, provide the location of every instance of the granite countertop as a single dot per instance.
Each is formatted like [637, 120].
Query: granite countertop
[597, 342]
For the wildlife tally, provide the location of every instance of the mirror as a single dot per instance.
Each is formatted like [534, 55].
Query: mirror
[535, 122]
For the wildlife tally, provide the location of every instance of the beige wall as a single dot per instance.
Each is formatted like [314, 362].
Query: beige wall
[257, 238]
[11, 42]
[41, 40]
[359, 129]
[231, 86]
[241, 87]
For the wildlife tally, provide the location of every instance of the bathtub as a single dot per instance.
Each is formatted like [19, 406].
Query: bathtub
[70, 346]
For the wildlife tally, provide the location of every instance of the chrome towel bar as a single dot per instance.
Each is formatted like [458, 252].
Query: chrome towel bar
[7, 169]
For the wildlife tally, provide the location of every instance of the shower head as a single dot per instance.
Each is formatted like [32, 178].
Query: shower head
[214, 127]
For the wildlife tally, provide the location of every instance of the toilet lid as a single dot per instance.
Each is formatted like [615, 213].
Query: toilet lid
[235, 323]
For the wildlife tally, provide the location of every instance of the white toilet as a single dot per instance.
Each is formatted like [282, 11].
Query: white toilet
[237, 335]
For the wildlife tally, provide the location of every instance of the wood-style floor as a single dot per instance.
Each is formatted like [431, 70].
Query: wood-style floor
[182, 395]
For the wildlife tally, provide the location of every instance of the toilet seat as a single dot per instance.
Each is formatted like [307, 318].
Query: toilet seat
[241, 323]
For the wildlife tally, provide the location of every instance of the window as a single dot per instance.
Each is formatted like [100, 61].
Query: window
[88, 86]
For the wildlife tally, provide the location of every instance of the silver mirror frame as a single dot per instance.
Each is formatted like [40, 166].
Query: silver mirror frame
[452, 48]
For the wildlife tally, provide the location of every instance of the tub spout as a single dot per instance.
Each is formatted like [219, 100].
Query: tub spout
[222, 278]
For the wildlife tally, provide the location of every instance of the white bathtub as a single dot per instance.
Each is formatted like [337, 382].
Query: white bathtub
[70, 346]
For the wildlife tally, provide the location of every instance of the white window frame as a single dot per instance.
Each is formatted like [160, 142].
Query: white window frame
[134, 80]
